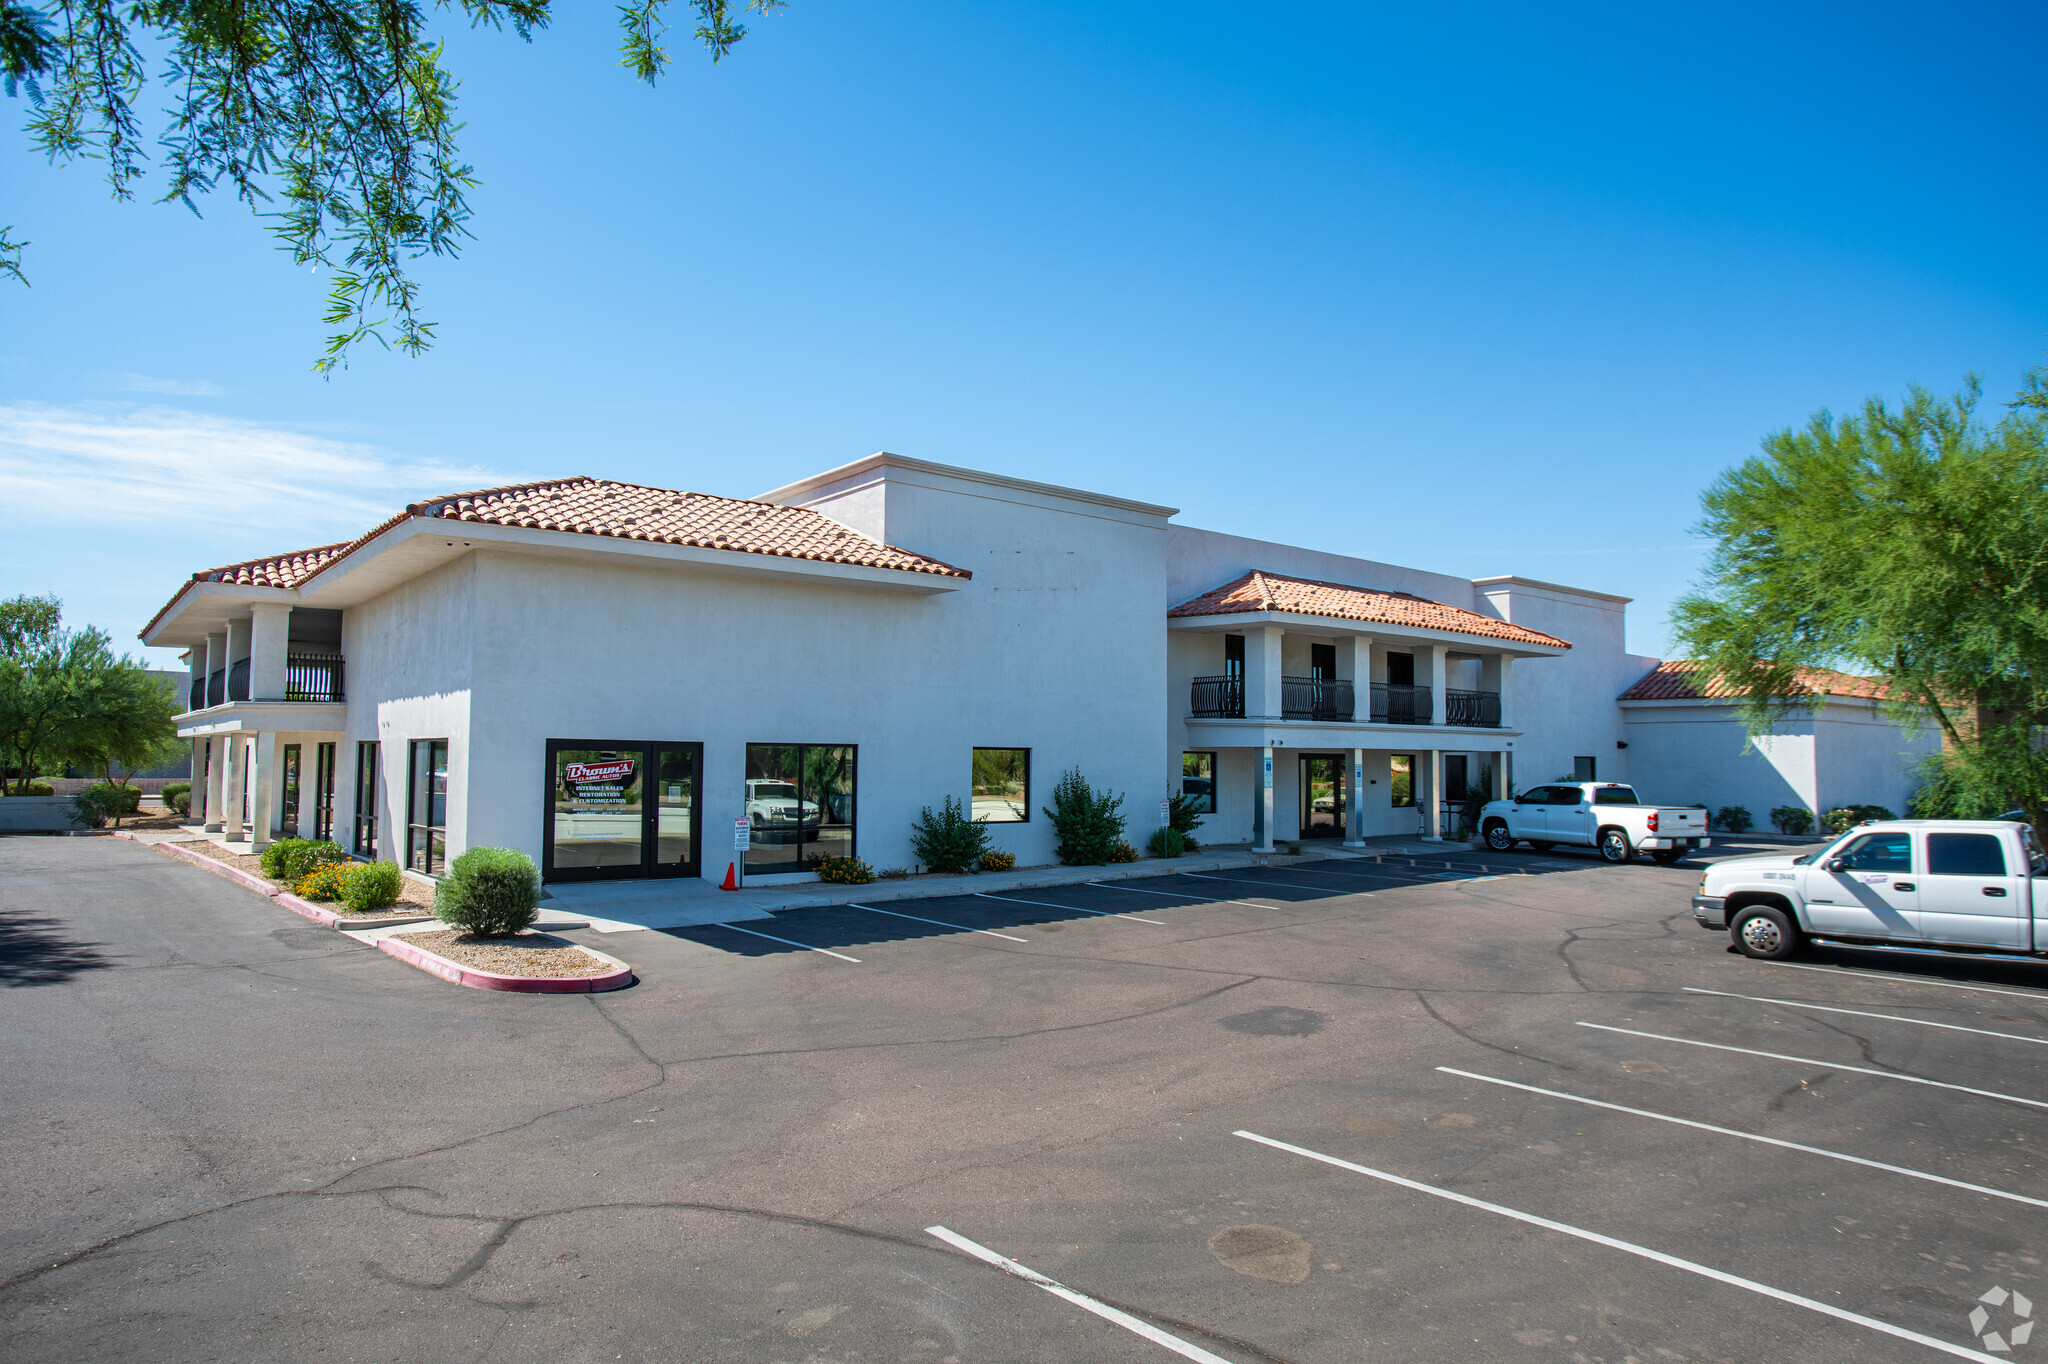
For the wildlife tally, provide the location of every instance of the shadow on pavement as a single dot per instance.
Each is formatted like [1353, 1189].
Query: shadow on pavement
[34, 951]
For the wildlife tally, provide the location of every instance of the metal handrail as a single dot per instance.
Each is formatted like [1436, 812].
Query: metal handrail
[1217, 697]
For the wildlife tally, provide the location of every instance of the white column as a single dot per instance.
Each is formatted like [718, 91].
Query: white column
[1262, 671]
[1439, 667]
[269, 631]
[1503, 682]
[1354, 664]
[202, 780]
[216, 659]
[1500, 775]
[264, 795]
[1354, 800]
[1265, 810]
[238, 649]
[1433, 820]
[217, 785]
[233, 772]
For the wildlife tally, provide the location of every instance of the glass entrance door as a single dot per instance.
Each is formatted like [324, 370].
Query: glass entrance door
[1322, 795]
[621, 810]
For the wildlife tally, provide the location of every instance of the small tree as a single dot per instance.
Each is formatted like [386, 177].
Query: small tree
[1183, 818]
[948, 841]
[1087, 821]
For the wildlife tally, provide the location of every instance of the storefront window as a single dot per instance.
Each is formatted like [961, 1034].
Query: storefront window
[426, 818]
[597, 812]
[366, 800]
[1198, 781]
[799, 804]
[1403, 779]
[323, 792]
[1002, 786]
[675, 802]
[288, 824]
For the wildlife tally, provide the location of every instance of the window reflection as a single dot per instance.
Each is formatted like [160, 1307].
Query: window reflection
[597, 793]
[1002, 786]
[799, 805]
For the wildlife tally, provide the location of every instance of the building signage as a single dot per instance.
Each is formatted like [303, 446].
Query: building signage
[741, 829]
[578, 774]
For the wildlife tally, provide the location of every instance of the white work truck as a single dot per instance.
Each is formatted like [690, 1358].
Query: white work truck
[1594, 814]
[1953, 885]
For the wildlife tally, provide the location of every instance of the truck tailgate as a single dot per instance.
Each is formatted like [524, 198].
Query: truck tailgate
[1678, 821]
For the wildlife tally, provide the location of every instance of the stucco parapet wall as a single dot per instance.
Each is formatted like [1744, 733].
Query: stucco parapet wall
[253, 717]
[903, 469]
[1510, 582]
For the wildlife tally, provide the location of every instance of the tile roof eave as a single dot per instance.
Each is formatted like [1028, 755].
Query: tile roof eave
[1548, 644]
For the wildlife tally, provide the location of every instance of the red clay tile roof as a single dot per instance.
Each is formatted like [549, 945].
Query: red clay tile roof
[624, 511]
[1679, 679]
[1261, 591]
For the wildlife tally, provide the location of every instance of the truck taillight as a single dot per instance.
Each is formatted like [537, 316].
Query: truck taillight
[1653, 821]
[1706, 821]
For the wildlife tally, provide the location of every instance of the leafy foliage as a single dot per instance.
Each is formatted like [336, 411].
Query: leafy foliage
[65, 697]
[1910, 543]
[492, 892]
[177, 797]
[844, 871]
[1121, 851]
[328, 881]
[333, 120]
[102, 801]
[1733, 819]
[1846, 817]
[995, 859]
[1087, 822]
[1184, 816]
[1166, 842]
[1792, 819]
[948, 841]
[371, 886]
[292, 859]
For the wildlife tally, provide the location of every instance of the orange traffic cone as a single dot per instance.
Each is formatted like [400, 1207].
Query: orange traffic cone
[731, 881]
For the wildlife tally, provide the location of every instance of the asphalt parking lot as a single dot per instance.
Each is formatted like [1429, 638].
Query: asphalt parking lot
[1478, 1107]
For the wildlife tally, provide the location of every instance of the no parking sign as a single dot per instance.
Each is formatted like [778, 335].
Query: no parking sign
[740, 831]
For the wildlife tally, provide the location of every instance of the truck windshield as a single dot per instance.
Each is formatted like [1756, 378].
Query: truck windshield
[1825, 851]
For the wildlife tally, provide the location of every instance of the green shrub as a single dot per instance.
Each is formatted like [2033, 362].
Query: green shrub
[492, 892]
[34, 788]
[293, 859]
[1086, 822]
[371, 886]
[1183, 818]
[177, 797]
[1122, 851]
[102, 801]
[894, 874]
[1792, 819]
[1166, 842]
[995, 859]
[1733, 819]
[845, 871]
[948, 841]
[1291, 849]
[328, 881]
[1843, 818]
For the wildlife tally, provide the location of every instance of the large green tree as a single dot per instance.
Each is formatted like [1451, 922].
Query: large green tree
[1905, 542]
[333, 119]
[66, 698]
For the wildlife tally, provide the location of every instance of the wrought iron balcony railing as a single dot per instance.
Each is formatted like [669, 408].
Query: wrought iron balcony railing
[1400, 705]
[1480, 709]
[1217, 698]
[1315, 698]
[313, 677]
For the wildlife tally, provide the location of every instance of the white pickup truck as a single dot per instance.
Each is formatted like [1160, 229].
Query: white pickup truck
[1594, 814]
[1953, 885]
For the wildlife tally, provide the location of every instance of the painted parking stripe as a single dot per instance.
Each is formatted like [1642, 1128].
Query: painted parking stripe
[1072, 909]
[1177, 895]
[791, 942]
[1689, 1266]
[1247, 881]
[1060, 1290]
[1752, 1136]
[1910, 980]
[957, 928]
[1828, 1065]
[1859, 1013]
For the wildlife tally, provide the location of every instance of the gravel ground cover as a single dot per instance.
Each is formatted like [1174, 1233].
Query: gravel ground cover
[411, 894]
[526, 954]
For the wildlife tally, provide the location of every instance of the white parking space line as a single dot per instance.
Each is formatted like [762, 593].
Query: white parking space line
[1859, 1013]
[1910, 980]
[1060, 1290]
[1172, 895]
[1247, 881]
[1751, 1136]
[1828, 1065]
[1690, 1267]
[1072, 909]
[957, 928]
[790, 942]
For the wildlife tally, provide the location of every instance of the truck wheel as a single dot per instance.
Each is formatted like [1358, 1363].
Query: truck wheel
[1668, 857]
[1764, 932]
[1498, 838]
[1615, 847]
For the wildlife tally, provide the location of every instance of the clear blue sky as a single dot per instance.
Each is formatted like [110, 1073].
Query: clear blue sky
[1481, 289]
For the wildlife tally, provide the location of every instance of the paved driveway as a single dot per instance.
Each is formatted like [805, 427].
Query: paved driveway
[232, 1134]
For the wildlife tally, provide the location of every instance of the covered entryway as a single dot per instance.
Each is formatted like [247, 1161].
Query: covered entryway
[1322, 795]
[621, 809]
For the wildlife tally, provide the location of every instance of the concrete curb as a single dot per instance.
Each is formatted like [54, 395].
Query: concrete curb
[235, 874]
[435, 964]
[303, 908]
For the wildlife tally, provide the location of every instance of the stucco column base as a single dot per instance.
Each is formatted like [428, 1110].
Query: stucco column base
[1265, 843]
[1354, 802]
[263, 790]
[1433, 823]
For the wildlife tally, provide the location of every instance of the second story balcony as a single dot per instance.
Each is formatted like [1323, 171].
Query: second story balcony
[310, 675]
[1334, 700]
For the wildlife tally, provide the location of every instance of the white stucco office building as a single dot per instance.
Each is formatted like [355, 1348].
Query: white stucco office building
[611, 677]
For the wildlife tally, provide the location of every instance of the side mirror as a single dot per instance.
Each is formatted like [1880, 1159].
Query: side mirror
[1838, 864]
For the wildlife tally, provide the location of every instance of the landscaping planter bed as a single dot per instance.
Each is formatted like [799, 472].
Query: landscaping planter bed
[532, 962]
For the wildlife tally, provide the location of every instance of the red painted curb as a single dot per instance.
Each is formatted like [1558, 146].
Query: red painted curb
[436, 964]
[235, 874]
[307, 908]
